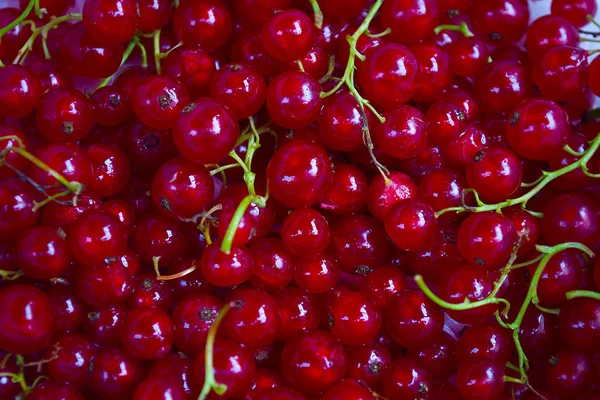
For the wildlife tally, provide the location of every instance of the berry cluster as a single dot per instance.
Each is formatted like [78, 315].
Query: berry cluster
[299, 199]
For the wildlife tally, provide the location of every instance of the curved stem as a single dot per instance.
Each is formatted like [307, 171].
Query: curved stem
[548, 177]
[462, 28]
[10, 275]
[133, 43]
[19, 19]
[177, 275]
[318, 13]
[227, 242]
[209, 372]
[573, 294]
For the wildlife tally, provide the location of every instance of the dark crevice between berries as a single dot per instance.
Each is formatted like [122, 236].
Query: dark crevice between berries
[330, 319]
[495, 36]
[450, 237]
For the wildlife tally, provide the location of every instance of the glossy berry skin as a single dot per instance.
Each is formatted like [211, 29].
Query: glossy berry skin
[258, 12]
[358, 241]
[157, 235]
[111, 106]
[147, 333]
[205, 132]
[289, 35]
[403, 134]
[487, 239]
[181, 189]
[298, 311]
[241, 88]
[593, 80]
[222, 269]
[109, 21]
[502, 85]
[468, 56]
[273, 264]
[68, 309]
[441, 189]
[253, 320]
[436, 71]
[95, 236]
[27, 319]
[549, 31]
[348, 191]
[20, 91]
[104, 285]
[412, 225]
[446, 121]
[67, 159]
[207, 23]
[383, 283]
[413, 320]
[561, 73]
[500, 22]
[299, 174]
[55, 390]
[384, 195]
[83, 56]
[563, 273]
[354, 319]
[571, 217]
[147, 148]
[537, 129]
[390, 75]
[574, 180]
[485, 341]
[158, 100]
[17, 199]
[233, 366]
[153, 14]
[14, 159]
[341, 123]
[348, 389]
[116, 373]
[153, 388]
[568, 373]
[305, 232]
[496, 173]
[368, 363]
[102, 326]
[574, 11]
[405, 379]
[527, 226]
[314, 362]
[294, 99]
[467, 282]
[578, 323]
[483, 379]
[176, 369]
[318, 274]
[110, 169]
[148, 291]
[42, 253]
[72, 356]
[192, 66]
[192, 318]
[410, 21]
[64, 115]
[439, 358]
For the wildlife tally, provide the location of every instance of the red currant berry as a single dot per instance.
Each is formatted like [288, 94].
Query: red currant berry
[115, 373]
[110, 21]
[412, 225]
[206, 22]
[20, 91]
[111, 106]
[157, 235]
[500, 22]
[574, 11]
[147, 333]
[158, 100]
[43, 254]
[17, 199]
[154, 14]
[348, 191]
[481, 379]
[305, 232]
[405, 379]
[549, 31]
[435, 68]
[496, 174]
[384, 194]
[222, 269]
[289, 35]
[403, 134]
[579, 324]
[571, 218]
[294, 99]
[71, 356]
[242, 89]
[65, 115]
[410, 21]
[318, 274]
[354, 319]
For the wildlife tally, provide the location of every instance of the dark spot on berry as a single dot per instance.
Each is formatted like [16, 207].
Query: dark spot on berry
[147, 284]
[480, 261]
[151, 141]
[330, 319]
[68, 127]
[91, 367]
[237, 304]
[93, 316]
[289, 134]
[164, 100]
[495, 36]
[165, 204]
[553, 361]
[514, 118]
[461, 115]
[110, 260]
[423, 388]
[375, 367]
[234, 67]
[206, 314]
[114, 100]
[261, 356]
[189, 108]
[362, 270]
[479, 156]
[450, 237]
[453, 13]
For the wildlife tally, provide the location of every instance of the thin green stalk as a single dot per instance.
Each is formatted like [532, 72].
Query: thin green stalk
[19, 19]
[318, 13]
[156, 42]
[210, 382]
[227, 242]
[132, 45]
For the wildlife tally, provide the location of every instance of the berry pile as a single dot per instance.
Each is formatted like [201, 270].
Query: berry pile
[299, 199]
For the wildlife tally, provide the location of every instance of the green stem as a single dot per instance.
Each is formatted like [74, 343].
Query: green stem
[462, 28]
[378, 35]
[223, 168]
[573, 294]
[10, 275]
[318, 13]
[227, 242]
[132, 45]
[156, 42]
[592, 20]
[140, 46]
[548, 177]
[19, 19]
[209, 372]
